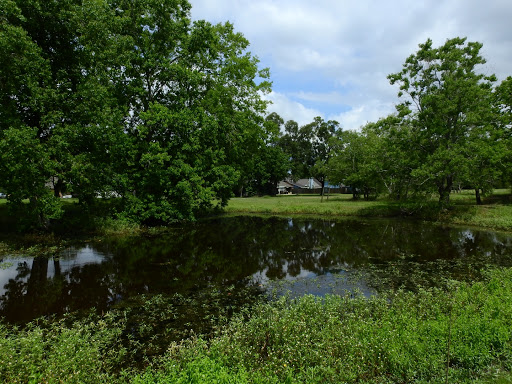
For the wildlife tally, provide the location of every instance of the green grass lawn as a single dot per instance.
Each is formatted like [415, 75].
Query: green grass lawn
[341, 205]
[496, 212]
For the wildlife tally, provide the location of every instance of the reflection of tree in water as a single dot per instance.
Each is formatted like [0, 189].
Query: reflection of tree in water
[228, 251]
[34, 293]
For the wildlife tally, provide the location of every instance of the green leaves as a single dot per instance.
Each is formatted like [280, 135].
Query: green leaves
[129, 98]
[357, 162]
[447, 102]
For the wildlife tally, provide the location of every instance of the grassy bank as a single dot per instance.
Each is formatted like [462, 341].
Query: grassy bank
[101, 219]
[457, 335]
[495, 213]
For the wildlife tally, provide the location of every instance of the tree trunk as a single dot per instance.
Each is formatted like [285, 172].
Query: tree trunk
[478, 197]
[444, 190]
[58, 188]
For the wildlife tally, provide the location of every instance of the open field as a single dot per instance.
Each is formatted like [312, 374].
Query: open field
[495, 213]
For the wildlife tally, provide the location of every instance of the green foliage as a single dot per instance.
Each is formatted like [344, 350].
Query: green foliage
[309, 147]
[129, 99]
[25, 167]
[202, 370]
[401, 337]
[356, 162]
[265, 163]
[85, 352]
[450, 110]
[451, 131]
[459, 334]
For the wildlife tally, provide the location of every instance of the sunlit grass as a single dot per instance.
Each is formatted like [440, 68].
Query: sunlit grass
[495, 213]
[341, 205]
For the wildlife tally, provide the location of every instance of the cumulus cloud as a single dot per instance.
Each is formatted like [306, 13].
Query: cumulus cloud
[362, 114]
[330, 53]
[291, 110]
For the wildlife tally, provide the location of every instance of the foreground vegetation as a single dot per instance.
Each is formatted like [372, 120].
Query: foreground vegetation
[461, 334]
[495, 213]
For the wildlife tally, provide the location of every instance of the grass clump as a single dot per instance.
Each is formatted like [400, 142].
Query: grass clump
[459, 335]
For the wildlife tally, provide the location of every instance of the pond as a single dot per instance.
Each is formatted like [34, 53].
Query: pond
[253, 255]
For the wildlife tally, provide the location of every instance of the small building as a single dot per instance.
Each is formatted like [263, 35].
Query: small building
[285, 187]
[310, 183]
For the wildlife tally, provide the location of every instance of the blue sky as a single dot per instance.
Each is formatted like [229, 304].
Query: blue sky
[330, 58]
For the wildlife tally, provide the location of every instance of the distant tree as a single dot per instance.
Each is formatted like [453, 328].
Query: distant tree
[447, 100]
[398, 155]
[356, 162]
[308, 148]
[298, 145]
[266, 163]
[289, 142]
[322, 132]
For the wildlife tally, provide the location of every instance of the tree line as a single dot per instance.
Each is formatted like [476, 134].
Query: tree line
[452, 129]
[129, 98]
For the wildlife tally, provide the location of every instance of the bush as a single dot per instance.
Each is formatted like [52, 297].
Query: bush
[85, 352]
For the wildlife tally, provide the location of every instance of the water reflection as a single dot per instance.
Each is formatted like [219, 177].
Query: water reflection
[230, 251]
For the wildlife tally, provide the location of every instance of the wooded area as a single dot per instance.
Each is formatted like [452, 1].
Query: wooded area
[124, 98]
[130, 99]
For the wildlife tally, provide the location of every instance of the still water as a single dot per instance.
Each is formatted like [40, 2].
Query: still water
[231, 253]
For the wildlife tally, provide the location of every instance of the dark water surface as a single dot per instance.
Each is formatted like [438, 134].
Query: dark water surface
[232, 253]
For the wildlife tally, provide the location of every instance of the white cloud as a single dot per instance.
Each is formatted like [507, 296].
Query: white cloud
[362, 114]
[332, 53]
[327, 97]
[291, 110]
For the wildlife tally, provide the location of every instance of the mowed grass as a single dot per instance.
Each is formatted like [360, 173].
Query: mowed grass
[339, 205]
[495, 213]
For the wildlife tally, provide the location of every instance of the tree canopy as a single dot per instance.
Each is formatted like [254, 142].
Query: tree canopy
[124, 98]
[451, 130]
[103, 98]
[448, 105]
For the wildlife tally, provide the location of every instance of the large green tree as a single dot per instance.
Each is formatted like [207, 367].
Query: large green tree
[503, 104]
[125, 97]
[192, 111]
[446, 101]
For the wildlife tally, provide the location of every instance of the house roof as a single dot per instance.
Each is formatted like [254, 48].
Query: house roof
[285, 184]
[308, 183]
